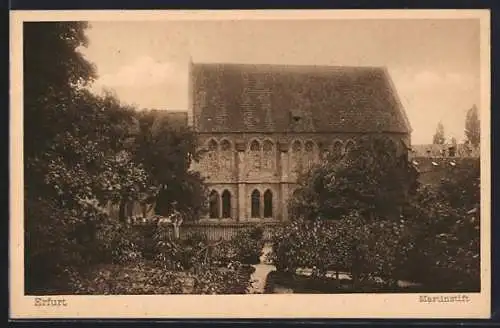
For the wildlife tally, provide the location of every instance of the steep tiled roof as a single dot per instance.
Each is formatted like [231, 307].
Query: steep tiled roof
[279, 98]
[172, 119]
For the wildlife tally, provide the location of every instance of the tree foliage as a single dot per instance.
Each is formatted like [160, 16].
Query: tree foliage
[473, 126]
[386, 225]
[84, 151]
[373, 178]
[439, 138]
[446, 229]
[77, 153]
[367, 250]
[53, 71]
[167, 151]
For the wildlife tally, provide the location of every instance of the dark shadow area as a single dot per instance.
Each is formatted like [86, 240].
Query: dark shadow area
[280, 282]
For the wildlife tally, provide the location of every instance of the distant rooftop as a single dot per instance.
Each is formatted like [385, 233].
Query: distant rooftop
[436, 150]
[173, 118]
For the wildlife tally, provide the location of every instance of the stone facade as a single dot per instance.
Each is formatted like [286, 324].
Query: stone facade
[258, 126]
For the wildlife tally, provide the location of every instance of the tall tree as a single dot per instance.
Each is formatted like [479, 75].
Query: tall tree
[445, 221]
[53, 73]
[167, 150]
[472, 126]
[439, 138]
[453, 141]
[75, 152]
[374, 178]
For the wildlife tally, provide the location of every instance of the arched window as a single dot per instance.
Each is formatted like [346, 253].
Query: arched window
[212, 145]
[268, 155]
[296, 146]
[337, 149]
[309, 146]
[214, 204]
[255, 154]
[225, 155]
[348, 146]
[296, 156]
[309, 155]
[212, 154]
[268, 204]
[268, 145]
[255, 199]
[255, 146]
[225, 145]
[226, 204]
[390, 146]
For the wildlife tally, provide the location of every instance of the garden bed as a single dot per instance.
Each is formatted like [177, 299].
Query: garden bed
[144, 278]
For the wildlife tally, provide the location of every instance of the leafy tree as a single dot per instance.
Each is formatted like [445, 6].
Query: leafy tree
[438, 138]
[453, 141]
[53, 73]
[76, 153]
[374, 178]
[472, 126]
[167, 151]
[445, 222]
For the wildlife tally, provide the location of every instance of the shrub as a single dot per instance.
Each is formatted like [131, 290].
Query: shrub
[137, 279]
[235, 279]
[119, 242]
[366, 249]
[144, 279]
[172, 254]
[245, 247]
[303, 244]
[248, 245]
[182, 254]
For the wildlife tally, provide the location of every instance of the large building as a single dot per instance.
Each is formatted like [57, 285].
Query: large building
[259, 125]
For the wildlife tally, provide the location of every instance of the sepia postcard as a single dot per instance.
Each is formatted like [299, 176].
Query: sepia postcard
[250, 164]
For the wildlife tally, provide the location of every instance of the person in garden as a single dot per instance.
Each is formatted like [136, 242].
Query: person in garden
[176, 218]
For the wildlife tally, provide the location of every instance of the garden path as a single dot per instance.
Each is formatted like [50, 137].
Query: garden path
[262, 269]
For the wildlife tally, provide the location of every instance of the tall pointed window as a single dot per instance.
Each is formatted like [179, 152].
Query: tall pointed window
[348, 146]
[268, 204]
[255, 154]
[296, 156]
[214, 203]
[212, 146]
[268, 155]
[212, 155]
[225, 155]
[309, 157]
[226, 204]
[255, 199]
[337, 149]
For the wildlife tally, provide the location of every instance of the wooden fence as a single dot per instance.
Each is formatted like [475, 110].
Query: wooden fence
[222, 230]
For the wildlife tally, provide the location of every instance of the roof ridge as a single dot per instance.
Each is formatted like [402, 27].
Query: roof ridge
[288, 66]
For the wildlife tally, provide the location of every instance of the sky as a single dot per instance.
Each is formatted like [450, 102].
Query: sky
[434, 64]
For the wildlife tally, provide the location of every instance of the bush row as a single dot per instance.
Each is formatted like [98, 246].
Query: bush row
[384, 251]
[367, 250]
[153, 263]
[142, 278]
